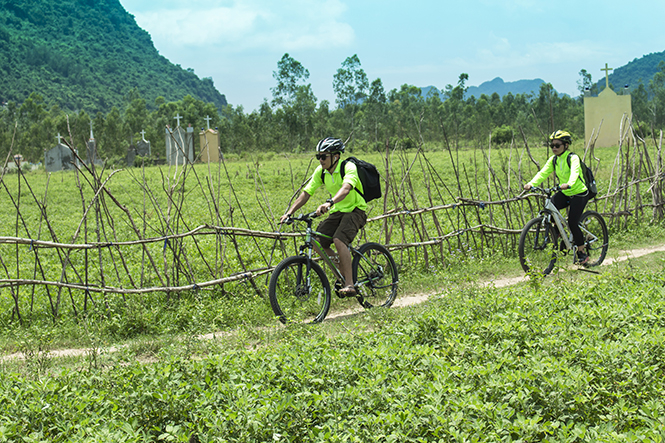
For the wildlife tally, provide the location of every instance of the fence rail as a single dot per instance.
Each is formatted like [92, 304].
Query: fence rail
[424, 218]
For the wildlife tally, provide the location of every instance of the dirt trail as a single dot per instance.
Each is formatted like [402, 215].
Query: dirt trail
[400, 302]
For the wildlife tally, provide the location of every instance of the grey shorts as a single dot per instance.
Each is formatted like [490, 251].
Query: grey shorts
[342, 225]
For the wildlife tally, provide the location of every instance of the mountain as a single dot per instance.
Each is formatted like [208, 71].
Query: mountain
[502, 88]
[87, 54]
[499, 86]
[632, 73]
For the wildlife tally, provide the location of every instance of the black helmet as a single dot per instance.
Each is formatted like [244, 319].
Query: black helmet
[331, 145]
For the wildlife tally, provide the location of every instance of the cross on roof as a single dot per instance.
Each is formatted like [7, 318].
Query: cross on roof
[207, 119]
[607, 76]
[143, 135]
[178, 117]
[58, 137]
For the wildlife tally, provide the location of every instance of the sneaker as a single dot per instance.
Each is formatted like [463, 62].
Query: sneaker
[582, 258]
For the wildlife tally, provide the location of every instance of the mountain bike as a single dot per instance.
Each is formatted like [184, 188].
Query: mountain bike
[548, 235]
[299, 289]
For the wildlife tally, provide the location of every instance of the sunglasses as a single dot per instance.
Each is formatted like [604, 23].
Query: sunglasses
[322, 156]
[556, 145]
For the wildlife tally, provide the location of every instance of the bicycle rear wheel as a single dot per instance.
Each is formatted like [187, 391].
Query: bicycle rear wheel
[538, 246]
[596, 238]
[299, 295]
[375, 274]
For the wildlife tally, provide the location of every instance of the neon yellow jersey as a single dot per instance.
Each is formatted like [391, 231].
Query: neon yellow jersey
[571, 175]
[334, 182]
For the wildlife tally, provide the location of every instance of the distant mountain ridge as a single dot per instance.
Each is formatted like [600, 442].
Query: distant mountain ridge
[87, 54]
[502, 88]
[640, 70]
[499, 86]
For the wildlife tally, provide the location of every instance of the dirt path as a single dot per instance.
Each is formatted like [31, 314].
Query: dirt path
[400, 302]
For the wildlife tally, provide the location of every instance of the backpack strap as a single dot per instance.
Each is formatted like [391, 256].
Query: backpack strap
[341, 173]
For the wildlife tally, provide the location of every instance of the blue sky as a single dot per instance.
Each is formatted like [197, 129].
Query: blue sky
[420, 42]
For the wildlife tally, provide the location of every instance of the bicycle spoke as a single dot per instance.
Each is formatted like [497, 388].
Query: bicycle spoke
[375, 274]
[538, 247]
[297, 296]
[596, 237]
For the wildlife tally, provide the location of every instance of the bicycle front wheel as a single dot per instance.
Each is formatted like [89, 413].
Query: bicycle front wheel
[596, 238]
[375, 274]
[298, 293]
[537, 247]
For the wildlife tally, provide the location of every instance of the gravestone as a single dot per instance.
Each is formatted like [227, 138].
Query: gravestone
[59, 158]
[209, 142]
[143, 146]
[131, 155]
[142, 149]
[610, 109]
[179, 144]
[91, 152]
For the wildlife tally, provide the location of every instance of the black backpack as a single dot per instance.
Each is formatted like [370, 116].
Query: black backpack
[589, 179]
[368, 175]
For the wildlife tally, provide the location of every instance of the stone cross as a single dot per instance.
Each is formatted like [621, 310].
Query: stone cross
[58, 137]
[178, 117]
[142, 134]
[607, 76]
[207, 119]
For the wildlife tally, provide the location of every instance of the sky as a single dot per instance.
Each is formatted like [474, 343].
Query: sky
[238, 43]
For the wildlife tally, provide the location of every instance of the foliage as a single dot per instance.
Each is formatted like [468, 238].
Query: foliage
[554, 363]
[83, 54]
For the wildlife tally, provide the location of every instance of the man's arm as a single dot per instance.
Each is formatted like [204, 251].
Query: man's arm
[299, 203]
[338, 197]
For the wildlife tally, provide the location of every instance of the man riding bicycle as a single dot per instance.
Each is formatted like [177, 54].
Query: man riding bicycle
[347, 207]
[574, 193]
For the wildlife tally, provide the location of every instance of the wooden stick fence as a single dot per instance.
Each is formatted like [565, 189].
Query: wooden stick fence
[425, 218]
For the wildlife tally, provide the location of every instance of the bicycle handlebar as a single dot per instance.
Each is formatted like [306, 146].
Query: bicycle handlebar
[302, 217]
[548, 191]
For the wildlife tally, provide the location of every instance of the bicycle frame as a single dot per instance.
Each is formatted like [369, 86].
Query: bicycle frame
[312, 244]
[552, 213]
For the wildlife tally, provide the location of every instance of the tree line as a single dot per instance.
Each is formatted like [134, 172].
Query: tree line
[293, 120]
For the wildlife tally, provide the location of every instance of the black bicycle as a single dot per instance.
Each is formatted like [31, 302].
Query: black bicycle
[548, 235]
[299, 289]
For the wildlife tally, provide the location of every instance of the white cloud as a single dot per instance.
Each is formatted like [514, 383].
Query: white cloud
[242, 25]
[503, 54]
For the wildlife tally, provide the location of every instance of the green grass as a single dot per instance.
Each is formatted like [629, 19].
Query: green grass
[573, 357]
[577, 358]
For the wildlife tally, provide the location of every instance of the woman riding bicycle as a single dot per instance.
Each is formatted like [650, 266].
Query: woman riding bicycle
[574, 193]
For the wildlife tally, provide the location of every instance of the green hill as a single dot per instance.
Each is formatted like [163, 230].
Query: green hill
[86, 54]
[632, 73]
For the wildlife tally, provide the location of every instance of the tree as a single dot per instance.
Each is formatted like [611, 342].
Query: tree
[350, 84]
[454, 106]
[657, 87]
[290, 75]
[375, 110]
[586, 84]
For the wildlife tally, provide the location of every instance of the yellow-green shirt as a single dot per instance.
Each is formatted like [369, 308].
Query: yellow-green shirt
[334, 182]
[566, 174]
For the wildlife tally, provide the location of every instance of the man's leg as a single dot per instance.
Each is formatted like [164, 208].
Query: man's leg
[347, 230]
[344, 261]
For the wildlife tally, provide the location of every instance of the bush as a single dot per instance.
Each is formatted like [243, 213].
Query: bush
[502, 135]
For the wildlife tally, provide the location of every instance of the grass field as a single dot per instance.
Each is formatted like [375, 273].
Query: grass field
[573, 357]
